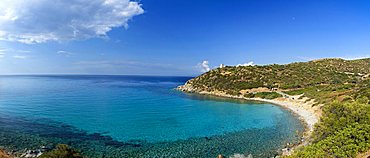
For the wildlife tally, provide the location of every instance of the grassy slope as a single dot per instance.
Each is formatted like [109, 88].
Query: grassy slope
[341, 85]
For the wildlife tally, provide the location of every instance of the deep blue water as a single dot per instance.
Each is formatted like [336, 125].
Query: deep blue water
[138, 116]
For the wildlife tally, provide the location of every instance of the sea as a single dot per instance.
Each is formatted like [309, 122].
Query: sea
[137, 116]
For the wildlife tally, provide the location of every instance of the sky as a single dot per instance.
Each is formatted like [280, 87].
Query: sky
[175, 37]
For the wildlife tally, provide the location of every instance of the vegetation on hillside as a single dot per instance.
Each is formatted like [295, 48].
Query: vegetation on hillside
[232, 79]
[341, 86]
[264, 95]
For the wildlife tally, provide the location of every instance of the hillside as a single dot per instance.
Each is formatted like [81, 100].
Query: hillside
[350, 77]
[340, 88]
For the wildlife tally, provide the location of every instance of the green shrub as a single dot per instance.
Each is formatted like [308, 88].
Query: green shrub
[343, 132]
[348, 142]
[337, 116]
[62, 151]
[249, 95]
[267, 95]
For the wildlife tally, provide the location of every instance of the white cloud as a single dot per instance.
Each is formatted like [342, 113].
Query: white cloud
[356, 57]
[38, 21]
[19, 56]
[2, 55]
[65, 53]
[204, 66]
[251, 63]
[8, 15]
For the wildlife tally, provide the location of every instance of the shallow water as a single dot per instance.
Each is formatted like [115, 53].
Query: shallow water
[136, 116]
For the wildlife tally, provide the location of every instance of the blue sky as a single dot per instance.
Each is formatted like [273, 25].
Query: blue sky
[175, 37]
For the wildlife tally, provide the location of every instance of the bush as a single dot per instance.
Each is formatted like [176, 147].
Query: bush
[264, 95]
[62, 151]
[343, 132]
[337, 116]
[267, 95]
[348, 142]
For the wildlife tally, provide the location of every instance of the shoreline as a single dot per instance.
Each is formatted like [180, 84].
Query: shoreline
[307, 113]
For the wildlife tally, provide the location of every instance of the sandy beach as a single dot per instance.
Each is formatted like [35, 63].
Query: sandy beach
[309, 114]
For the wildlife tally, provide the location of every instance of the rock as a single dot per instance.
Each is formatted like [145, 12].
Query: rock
[186, 88]
[241, 156]
[32, 153]
[44, 149]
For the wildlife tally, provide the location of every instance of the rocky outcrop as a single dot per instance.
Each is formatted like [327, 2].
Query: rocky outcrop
[187, 88]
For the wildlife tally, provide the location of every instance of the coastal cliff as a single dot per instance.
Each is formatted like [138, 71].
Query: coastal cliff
[327, 95]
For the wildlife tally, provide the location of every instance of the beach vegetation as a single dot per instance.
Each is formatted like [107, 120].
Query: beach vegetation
[263, 95]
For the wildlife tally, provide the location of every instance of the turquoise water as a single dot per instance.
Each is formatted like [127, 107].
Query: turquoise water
[136, 116]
